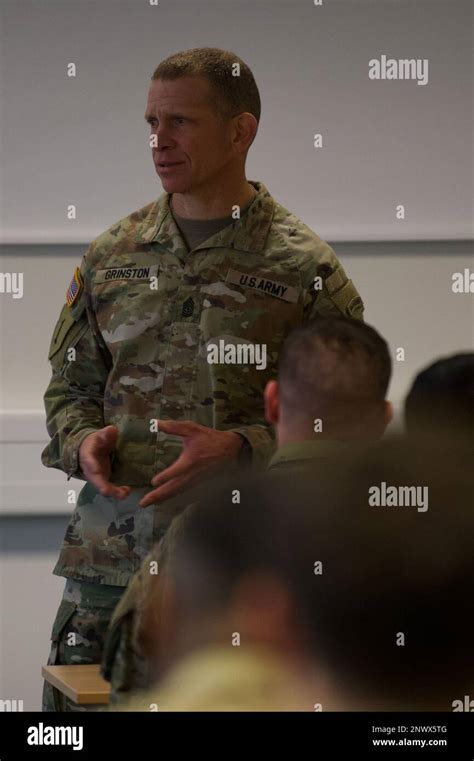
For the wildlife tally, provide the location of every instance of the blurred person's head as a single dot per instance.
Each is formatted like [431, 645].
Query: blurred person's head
[377, 598]
[441, 398]
[228, 568]
[335, 370]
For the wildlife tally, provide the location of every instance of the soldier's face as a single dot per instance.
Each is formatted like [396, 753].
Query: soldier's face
[191, 137]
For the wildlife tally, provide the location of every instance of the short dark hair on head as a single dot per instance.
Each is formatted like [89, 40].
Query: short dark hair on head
[233, 94]
[333, 362]
[442, 396]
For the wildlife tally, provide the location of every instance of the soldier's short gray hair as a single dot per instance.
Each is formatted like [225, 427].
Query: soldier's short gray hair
[233, 94]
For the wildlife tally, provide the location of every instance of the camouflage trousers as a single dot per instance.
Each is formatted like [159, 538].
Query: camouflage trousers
[123, 665]
[79, 634]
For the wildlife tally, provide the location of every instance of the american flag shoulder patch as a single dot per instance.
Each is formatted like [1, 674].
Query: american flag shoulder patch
[75, 288]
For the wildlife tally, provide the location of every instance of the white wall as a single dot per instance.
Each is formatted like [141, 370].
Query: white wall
[84, 141]
[33, 517]
[29, 598]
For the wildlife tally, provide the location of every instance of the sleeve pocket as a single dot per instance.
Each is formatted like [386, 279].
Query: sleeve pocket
[66, 334]
[348, 300]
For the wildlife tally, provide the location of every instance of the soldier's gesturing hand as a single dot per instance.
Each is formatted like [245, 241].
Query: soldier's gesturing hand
[205, 451]
[94, 459]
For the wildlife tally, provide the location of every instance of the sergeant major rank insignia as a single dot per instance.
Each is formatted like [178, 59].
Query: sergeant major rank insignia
[75, 288]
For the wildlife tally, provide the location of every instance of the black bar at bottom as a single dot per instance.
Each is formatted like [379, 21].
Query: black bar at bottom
[324, 736]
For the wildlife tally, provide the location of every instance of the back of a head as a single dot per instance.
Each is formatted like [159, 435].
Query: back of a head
[237, 533]
[217, 541]
[335, 369]
[441, 399]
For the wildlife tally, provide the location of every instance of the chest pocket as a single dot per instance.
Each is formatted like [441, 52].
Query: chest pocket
[125, 295]
[66, 334]
[127, 310]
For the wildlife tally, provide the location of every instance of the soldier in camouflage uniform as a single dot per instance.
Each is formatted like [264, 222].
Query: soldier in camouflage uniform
[130, 348]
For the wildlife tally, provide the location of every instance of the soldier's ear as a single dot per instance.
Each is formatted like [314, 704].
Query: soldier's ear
[272, 402]
[244, 131]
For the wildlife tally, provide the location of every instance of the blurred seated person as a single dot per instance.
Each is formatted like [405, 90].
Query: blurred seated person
[441, 399]
[312, 595]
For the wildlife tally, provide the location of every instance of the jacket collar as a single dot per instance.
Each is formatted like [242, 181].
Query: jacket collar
[247, 234]
[307, 450]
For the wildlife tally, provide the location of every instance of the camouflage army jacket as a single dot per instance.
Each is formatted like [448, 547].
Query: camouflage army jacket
[133, 344]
